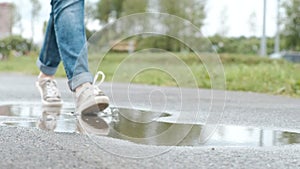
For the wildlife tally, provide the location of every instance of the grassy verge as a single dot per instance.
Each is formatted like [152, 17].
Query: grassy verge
[243, 72]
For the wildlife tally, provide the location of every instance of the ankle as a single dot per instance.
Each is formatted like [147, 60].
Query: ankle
[42, 76]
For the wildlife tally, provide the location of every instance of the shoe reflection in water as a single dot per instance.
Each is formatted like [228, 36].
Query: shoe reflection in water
[92, 124]
[49, 117]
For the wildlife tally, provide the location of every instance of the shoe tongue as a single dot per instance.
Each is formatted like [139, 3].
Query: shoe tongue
[44, 79]
[86, 85]
[82, 88]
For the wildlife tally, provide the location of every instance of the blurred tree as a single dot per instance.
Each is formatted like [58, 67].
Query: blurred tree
[90, 11]
[15, 43]
[252, 23]
[103, 10]
[16, 18]
[117, 7]
[223, 30]
[134, 6]
[108, 9]
[291, 32]
[35, 10]
[90, 15]
[240, 45]
[192, 10]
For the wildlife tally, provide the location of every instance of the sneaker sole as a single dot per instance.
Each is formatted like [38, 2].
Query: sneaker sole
[44, 102]
[92, 108]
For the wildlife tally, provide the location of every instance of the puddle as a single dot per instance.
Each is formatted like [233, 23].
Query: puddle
[137, 126]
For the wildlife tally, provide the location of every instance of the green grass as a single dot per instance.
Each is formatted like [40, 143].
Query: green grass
[243, 72]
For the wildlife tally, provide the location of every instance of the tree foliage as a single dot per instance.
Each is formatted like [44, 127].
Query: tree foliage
[15, 43]
[117, 6]
[192, 10]
[291, 32]
[90, 9]
[35, 10]
[103, 10]
[36, 7]
[107, 9]
[240, 45]
[134, 6]
[16, 17]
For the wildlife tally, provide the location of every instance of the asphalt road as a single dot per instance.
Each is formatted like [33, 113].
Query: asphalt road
[33, 148]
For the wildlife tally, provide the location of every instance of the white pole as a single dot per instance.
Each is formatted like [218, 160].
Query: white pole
[277, 38]
[263, 38]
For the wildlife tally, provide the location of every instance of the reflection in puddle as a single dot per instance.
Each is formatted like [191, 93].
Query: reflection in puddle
[48, 121]
[137, 126]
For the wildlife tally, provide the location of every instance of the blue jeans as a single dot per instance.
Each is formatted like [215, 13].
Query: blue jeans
[66, 40]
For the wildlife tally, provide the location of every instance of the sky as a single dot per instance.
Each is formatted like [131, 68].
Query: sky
[236, 13]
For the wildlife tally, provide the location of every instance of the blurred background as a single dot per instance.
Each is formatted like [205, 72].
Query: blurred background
[258, 40]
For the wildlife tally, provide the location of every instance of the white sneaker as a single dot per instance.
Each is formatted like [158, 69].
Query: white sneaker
[90, 99]
[50, 94]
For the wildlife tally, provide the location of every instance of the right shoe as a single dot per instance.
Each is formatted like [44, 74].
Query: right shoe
[90, 100]
[50, 94]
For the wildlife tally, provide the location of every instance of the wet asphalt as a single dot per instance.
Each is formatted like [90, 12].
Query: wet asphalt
[33, 148]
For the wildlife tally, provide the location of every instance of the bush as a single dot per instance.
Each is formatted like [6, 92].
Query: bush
[159, 42]
[235, 45]
[16, 44]
[240, 45]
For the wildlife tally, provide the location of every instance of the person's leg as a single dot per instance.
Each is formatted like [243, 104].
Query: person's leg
[48, 62]
[49, 58]
[71, 39]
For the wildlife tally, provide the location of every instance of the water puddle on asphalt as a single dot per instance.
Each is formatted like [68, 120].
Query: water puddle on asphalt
[137, 126]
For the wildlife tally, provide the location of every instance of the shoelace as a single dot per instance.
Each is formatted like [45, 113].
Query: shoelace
[51, 89]
[94, 86]
[96, 89]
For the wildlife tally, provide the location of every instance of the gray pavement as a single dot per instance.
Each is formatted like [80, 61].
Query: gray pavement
[32, 148]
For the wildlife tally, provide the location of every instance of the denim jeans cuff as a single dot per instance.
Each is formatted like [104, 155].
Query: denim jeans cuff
[46, 69]
[79, 80]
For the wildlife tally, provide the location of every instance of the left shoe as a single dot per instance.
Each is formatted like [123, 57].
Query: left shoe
[50, 94]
